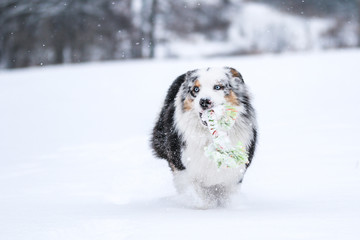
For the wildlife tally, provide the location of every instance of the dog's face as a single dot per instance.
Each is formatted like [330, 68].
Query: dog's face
[207, 88]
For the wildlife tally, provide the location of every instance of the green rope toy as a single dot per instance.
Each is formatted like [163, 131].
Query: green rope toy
[219, 120]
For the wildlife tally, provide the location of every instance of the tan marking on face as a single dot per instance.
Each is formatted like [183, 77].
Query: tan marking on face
[197, 83]
[188, 104]
[231, 98]
[235, 73]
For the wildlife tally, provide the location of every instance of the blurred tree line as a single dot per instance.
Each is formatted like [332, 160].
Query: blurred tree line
[318, 8]
[37, 32]
[342, 11]
[41, 32]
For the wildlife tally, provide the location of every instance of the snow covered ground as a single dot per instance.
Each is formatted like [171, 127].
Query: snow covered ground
[75, 161]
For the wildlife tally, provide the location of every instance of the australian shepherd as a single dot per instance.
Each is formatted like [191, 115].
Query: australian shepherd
[180, 135]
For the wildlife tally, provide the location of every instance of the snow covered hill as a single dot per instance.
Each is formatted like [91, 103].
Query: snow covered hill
[75, 161]
[259, 28]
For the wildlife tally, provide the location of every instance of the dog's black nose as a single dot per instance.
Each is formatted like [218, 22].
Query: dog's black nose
[205, 103]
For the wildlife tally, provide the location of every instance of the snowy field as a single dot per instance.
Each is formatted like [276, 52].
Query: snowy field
[75, 162]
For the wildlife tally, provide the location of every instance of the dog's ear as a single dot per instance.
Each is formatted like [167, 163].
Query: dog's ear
[190, 77]
[190, 74]
[235, 76]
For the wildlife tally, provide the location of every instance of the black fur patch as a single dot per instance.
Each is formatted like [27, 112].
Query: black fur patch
[166, 141]
[252, 147]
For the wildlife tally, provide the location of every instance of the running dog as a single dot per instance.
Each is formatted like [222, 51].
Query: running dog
[180, 134]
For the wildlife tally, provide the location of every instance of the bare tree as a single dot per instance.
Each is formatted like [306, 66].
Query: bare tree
[152, 31]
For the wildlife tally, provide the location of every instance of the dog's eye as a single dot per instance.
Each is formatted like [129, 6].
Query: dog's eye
[217, 87]
[196, 89]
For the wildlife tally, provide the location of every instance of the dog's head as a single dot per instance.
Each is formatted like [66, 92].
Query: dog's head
[207, 88]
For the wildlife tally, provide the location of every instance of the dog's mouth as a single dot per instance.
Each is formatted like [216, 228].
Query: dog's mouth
[202, 121]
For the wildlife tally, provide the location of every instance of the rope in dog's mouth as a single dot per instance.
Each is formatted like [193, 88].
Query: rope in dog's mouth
[219, 121]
